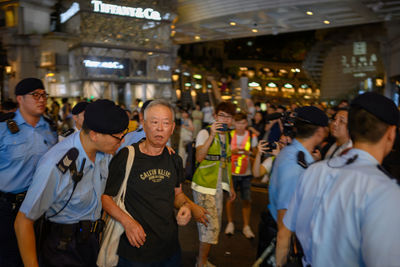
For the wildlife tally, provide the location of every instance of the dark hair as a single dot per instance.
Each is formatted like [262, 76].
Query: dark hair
[365, 127]
[304, 129]
[240, 116]
[85, 128]
[227, 107]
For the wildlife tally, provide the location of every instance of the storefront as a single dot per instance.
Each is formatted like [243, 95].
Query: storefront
[119, 50]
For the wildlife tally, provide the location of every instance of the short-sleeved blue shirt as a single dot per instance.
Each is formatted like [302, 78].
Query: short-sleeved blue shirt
[285, 174]
[347, 215]
[20, 152]
[133, 137]
[51, 188]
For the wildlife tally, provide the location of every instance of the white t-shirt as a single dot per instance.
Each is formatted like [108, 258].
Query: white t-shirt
[267, 164]
[208, 112]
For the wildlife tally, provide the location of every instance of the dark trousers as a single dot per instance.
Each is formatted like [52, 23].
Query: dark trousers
[69, 247]
[9, 253]
[267, 230]
[173, 261]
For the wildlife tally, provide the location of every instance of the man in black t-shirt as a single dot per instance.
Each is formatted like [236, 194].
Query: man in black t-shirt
[153, 191]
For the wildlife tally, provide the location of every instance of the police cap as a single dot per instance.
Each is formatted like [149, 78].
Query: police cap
[28, 85]
[312, 115]
[103, 116]
[378, 105]
[80, 107]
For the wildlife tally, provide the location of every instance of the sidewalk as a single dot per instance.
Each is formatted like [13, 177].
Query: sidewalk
[232, 251]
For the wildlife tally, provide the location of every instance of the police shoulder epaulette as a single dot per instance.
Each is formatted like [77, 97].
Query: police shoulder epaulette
[7, 116]
[51, 123]
[301, 159]
[67, 133]
[11, 124]
[388, 174]
[68, 160]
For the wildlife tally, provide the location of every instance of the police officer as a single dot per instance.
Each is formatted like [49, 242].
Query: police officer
[24, 137]
[345, 210]
[78, 113]
[66, 188]
[311, 129]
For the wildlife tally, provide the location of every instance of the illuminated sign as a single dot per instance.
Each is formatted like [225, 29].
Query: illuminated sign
[360, 62]
[163, 67]
[105, 64]
[254, 84]
[141, 13]
[74, 8]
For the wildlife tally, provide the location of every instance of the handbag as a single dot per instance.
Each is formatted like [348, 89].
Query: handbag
[108, 256]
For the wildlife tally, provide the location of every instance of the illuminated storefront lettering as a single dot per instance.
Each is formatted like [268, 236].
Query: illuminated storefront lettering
[74, 8]
[105, 64]
[142, 13]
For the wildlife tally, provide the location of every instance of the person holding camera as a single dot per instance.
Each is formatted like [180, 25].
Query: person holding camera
[243, 147]
[213, 176]
[311, 129]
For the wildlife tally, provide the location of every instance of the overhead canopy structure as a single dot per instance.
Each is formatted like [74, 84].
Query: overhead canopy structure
[224, 19]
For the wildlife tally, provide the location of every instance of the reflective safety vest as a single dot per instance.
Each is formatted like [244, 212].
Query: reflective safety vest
[240, 161]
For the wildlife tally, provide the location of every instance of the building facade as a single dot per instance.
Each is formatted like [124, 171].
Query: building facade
[119, 50]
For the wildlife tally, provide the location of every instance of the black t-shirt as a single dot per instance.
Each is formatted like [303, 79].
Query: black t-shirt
[150, 200]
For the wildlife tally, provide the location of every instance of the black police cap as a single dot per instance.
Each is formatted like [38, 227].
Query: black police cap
[312, 115]
[103, 116]
[28, 85]
[378, 105]
[80, 107]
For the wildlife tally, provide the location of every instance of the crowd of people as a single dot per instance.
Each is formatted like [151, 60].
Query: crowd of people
[330, 175]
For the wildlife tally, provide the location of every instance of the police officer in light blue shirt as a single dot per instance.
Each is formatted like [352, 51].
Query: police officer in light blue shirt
[139, 134]
[24, 137]
[311, 129]
[345, 211]
[66, 188]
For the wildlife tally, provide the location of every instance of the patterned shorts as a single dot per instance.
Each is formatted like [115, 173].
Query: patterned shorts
[213, 204]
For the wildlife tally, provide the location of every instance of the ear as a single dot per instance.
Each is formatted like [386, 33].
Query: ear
[391, 133]
[173, 127]
[93, 136]
[19, 98]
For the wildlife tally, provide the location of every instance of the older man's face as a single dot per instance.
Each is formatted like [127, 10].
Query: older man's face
[158, 125]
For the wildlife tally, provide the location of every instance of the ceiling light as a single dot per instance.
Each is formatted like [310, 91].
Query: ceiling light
[232, 23]
[254, 30]
[150, 53]
[310, 13]
[197, 37]
[327, 22]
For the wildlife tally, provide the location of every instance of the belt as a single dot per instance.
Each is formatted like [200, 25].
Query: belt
[13, 198]
[82, 226]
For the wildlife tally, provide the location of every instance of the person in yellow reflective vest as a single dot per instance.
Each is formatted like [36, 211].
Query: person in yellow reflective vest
[243, 147]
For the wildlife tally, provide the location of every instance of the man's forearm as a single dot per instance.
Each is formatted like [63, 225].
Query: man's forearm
[201, 151]
[114, 211]
[26, 240]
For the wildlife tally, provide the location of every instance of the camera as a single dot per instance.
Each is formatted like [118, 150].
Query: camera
[287, 118]
[224, 128]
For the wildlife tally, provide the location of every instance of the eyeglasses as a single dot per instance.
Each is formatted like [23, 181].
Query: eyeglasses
[122, 137]
[224, 116]
[37, 96]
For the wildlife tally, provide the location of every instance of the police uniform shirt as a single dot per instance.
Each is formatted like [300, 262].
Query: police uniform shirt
[133, 137]
[347, 215]
[20, 152]
[285, 174]
[61, 137]
[51, 188]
